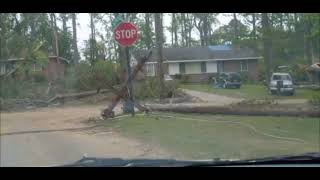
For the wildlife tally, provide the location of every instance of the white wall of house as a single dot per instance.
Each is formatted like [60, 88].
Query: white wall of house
[174, 68]
[212, 67]
[193, 68]
[150, 69]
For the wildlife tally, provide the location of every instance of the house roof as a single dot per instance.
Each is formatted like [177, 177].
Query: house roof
[189, 54]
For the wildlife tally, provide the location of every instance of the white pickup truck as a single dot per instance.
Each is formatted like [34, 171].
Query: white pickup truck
[281, 83]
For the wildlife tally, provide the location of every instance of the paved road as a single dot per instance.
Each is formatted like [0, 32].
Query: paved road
[34, 148]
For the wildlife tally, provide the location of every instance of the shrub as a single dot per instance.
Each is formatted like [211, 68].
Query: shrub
[244, 77]
[37, 76]
[184, 78]
[94, 77]
[315, 100]
[10, 88]
[149, 88]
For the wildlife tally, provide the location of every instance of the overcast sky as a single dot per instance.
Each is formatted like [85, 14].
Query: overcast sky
[84, 30]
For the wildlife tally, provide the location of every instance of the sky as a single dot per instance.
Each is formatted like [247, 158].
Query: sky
[83, 30]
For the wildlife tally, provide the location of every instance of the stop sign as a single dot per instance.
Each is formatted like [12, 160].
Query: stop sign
[126, 34]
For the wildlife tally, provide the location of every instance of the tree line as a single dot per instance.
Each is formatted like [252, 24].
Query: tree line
[292, 37]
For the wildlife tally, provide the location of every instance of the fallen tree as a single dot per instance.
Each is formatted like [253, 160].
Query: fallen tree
[123, 92]
[237, 110]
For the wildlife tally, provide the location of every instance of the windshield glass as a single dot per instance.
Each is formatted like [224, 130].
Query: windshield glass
[183, 86]
[281, 77]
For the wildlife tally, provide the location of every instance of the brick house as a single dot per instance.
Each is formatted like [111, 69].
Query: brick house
[200, 63]
[54, 70]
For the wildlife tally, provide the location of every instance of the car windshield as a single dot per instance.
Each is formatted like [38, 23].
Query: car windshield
[182, 86]
[281, 77]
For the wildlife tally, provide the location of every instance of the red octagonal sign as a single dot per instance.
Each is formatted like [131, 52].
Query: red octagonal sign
[126, 34]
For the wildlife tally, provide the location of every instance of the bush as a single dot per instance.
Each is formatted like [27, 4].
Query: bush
[10, 88]
[97, 76]
[37, 76]
[149, 88]
[184, 78]
[315, 100]
[244, 77]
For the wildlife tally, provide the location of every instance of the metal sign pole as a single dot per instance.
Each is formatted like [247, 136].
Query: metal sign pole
[131, 102]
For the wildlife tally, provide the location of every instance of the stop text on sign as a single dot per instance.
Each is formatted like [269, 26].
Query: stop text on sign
[122, 34]
[126, 34]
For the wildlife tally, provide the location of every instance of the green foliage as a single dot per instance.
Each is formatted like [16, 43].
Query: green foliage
[96, 76]
[315, 100]
[244, 77]
[10, 88]
[38, 76]
[149, 88]
[185, 78]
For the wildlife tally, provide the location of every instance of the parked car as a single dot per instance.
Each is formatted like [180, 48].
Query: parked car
[228, 80]
[281, 83]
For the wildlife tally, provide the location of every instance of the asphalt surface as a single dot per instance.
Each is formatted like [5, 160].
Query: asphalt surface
[58, 136]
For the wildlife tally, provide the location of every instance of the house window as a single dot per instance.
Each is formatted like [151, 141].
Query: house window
[182, 68]
[203, 67]
[220, 66]
[37, 67]
[150, 70]
[244, 65]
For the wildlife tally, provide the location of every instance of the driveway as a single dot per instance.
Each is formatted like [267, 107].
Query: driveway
[220, 100]
[211, 98]
[56, 136]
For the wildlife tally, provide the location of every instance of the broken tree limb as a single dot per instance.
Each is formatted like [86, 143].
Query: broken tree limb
[236, 110]
[108, 112]
[59, 97]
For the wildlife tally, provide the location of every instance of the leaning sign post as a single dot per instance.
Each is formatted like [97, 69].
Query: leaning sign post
[126, 34]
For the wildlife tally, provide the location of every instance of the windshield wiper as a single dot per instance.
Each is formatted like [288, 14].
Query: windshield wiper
[309, 158]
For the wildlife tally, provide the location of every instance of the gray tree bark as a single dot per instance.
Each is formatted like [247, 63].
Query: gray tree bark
[159, 47]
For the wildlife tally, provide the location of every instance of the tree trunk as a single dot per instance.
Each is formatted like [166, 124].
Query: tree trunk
[64, 22]
[205, 29]
[148, 31]
[295, 15]
[254, 32]
[183, 33]
[159, 44]
[236, 33]
[189, 30]
[267, 46]
[92, 44]
[76, 56]
[307, 40]
[172, 27]
[175, 32]
[281, 21]
[55, 35]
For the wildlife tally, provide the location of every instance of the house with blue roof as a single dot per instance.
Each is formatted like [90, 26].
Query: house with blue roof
[201, 63]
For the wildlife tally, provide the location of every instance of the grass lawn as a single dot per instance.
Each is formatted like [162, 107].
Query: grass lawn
[250, 91]
[195, 136]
